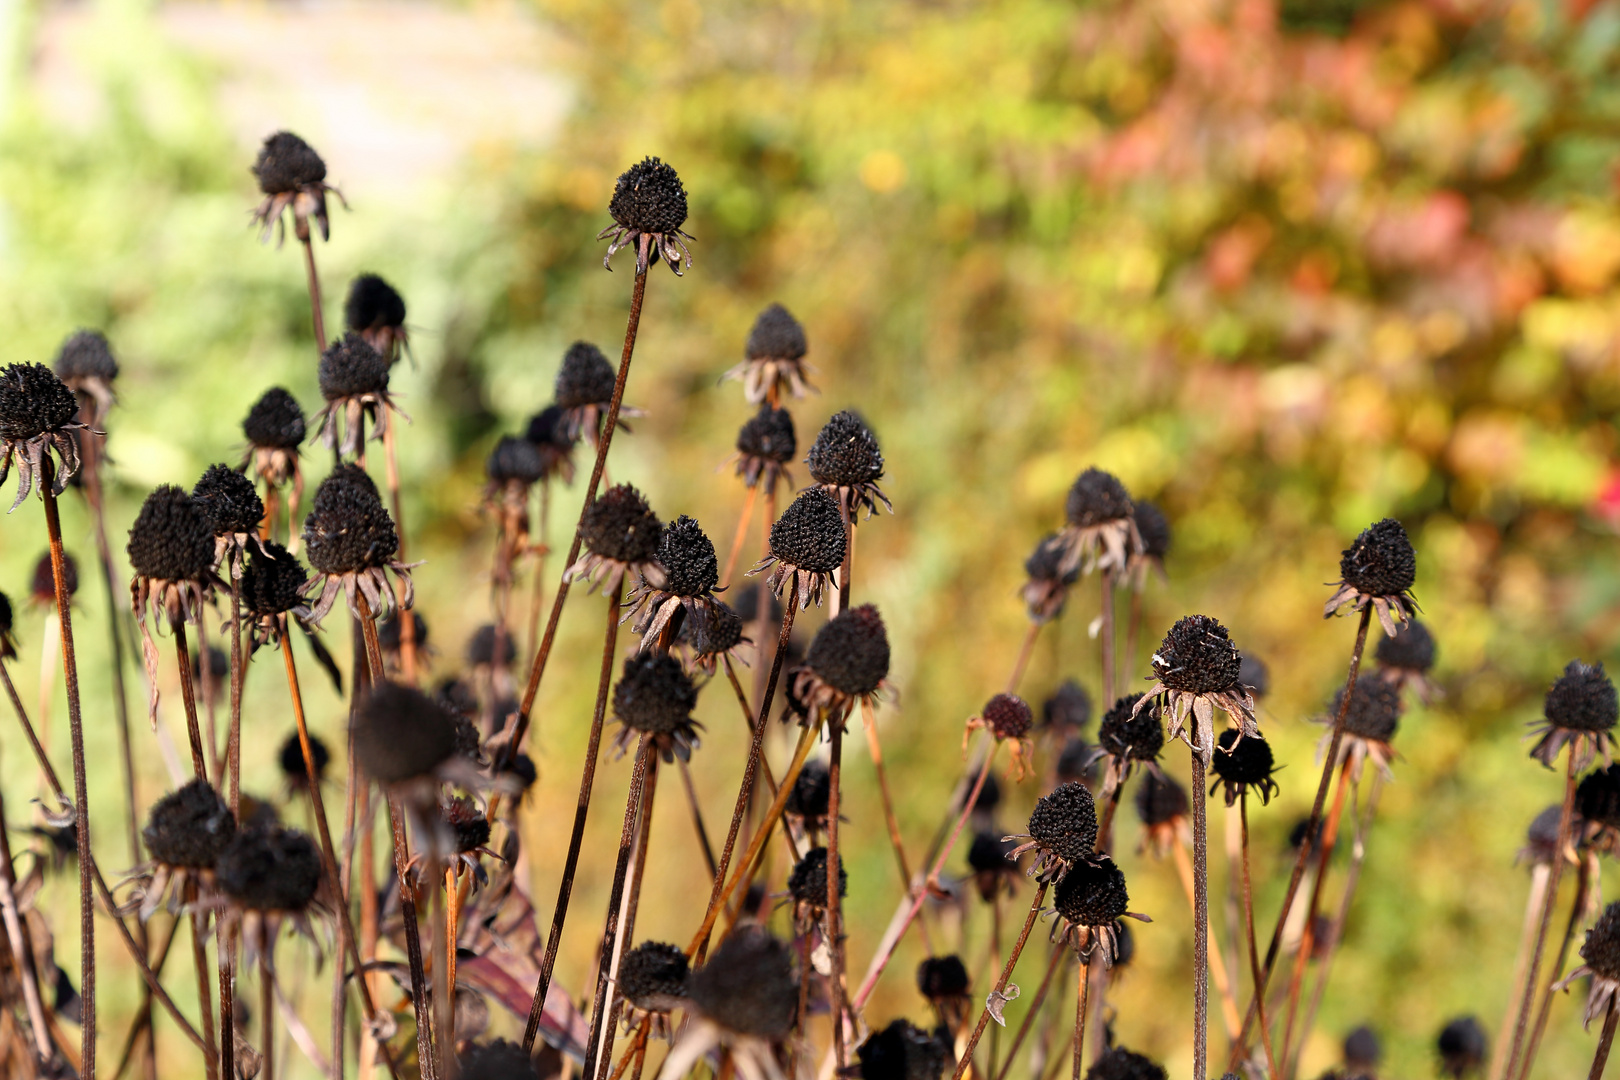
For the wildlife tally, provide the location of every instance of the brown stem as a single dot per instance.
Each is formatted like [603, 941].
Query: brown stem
[748, 718]
[205, 1007]
[316, 315]
[1217, 964]
[1001, 983]
[576, 839]
[1024, 653]
[615, 940]
[267, 1018]
[407, 621]
[1601, 1059]
[182, 654]
[742, 531]
[638, 1045]
[1105, 830]
[1254, 952]
[1080, 1020]
[1200, 825]
[1058, 953]
[225, 957]
[1532, 909]
[697, 819]
[1133, 630]
[835, 900]
[1106, 578]
[541, 550]
[413, 941]
[1584, 880]
[22, 950]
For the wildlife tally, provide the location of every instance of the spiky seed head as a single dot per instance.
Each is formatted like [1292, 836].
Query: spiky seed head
[272, 581]
[652, 975]
[748, 986]
[291, 759]
[1160, 800]
[1254, 674]
[274, 869]
[351, 367]
[1362, 1049]
[902, 1051]
[712, 629]
[1093, 894]
[941, 977]
[276, 422]
[1381, 562]
[348, 529]
[654, 694]
[219, 664]
[1197, 657]
[776, 335]
[86, 355]
[5, 615]
[1411, 649]
[687, 556]
[1128, 737]
[1375, 709]
[808, 882]
[1244, 761]
[1462, 1046]
[768, 434]
[1152, 527]
[466, 823]
[1583, 699]
[400, 733]
[515, 459]
[43, 586]
[845, 453]
[1008, 716]
[1602, 949]
[287, 163]
[497, 1060]
[33, 401]
[1048, 562]
[1598, 797]
[988, 853]
[1068, 709]
[481, 647]
[621, 526]
[1122, 1064]
[1064, 822]
[810, 533]
[373, 304]
[812, 791]
[228, 500]
[189, 827]
[345, 482]
[649, 198]
[546, 429]
[850, 653]
[171, 539]
[585, 377]
[1097, 498]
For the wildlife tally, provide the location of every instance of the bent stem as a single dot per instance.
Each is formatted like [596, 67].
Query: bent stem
[697, 818]
[1001, 985]
[1254, 952]
[182, 654]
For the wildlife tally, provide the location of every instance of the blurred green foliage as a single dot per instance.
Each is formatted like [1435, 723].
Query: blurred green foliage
[1283, 269]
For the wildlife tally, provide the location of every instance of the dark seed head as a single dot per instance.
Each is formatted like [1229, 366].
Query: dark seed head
[1541, 838]
[1065, 822]
[228, 500]
[712, 629]
[1152, 528]
[1598, 798]
[1097, 498]
[941, 977]
[171, 539]
[845, 453]
[1093, 894]
[1602, 949]
[292, 760]
[1008, 716]
[466, 823]
[389, 629]
[768, 434]
[1361, 1048]
[1375, 710]
[515, 459]
[851, 652]
[1046, 562]
[497, 1060]
[287, 163]
[1068, 709]
[747, 604]
[1122, 1064]
[523, 769]
[547, 430]
[189, 827]
[275, 422]
[812, 791]
[373, 304]
[1381, 562]
[687, 556]
[1462, 1046]
[272, 869]
[1075, 761]
[1160, 800]
[1128, 737]
[351, 367]
[481, 647]
[43, 586]
[400, 733]
[988, 853]
[748, 986]
[86, 355]
[348, 529]
[649, 198]
[776, 335]
[1255, 675]
[621, 526]
[33, 401]
[5, 616]
[808, 882]
[652, 976]
[902, 1051]
[1245, 761]
[654, 694]
[585, 378]
[810, 533]
[1583, 699]
[1197, 657]
[1411, 649]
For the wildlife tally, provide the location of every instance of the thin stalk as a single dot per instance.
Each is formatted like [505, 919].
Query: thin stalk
[1602, 1057]
[742, 531]
[1133, 627]
[1521, 965]
[199, 964]
[1585, 880]
[624, 912]
[1200, 825]
[225, 948]
[22, 950]
[1001, 984]
[182, 654]
[1254, 952]
[638, 1046]
[1106, 579]
[869, 722]
[1105, 829]
[267, 1018]
[225, 960]
[1080, 1020]
[1241, 1044]
[81, 792]
[995, 951]
[835, 900]
[413, 942]
[317, 317]
[541, 550]
[748, 718]
[576, 839]
[697, 819]
[1034, 1011]
[407, 622]
[210, 697]
[1025, 651]
[1217, 963]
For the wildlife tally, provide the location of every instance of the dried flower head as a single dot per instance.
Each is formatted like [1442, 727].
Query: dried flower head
[1255, 675]
[655, 699]
[272, 585]
[648, 209]
[8, 643]
[1068, 710]
[1076, 760]
[188, 828]
[845, 461]
[1127, 736]
[1101, 530]
[38, 414]
[1378, 569]
[1153, 528]
[350, 540]
[774, 358]
[354, 382]
[1090, 900]
[847, 662]
[375, 310]
[1580, 712]
[1242, 765]
[480, 651]
[548, 433]
[687, 571]
[1362, 1050]
[292, 176]
[807, 884]
[1541, 838]
[1008, 718]
[1462, 1046]
[515, 461]
[85, 364]
[652, 977]
[766, 444]
[811, 796]
[994, 870]
[942, 977]
[171, 547]
[1161, 801]
[1411, 648]
[714, 631]
[1050, 578]
[274, 429]
[1062, 832]
[1198, 670]
[400, 733]
[293, 767]
[1370, 722]
[233, 508]
[1122, 1064]
[621, 535]
[807, 546]
[903, 1051]
[42, 588]
[748, 987]
[270, 870]
[497, 1060]
[584, 390]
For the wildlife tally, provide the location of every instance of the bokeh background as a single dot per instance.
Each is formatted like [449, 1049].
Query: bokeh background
[1283, 266]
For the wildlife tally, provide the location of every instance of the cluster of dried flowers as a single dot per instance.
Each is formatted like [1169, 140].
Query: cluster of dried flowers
[442, 767]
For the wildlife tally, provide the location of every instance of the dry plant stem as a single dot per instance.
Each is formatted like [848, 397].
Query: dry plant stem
[1254, 952]
[1200, 838]
[538, 668]
[315, 308]
[267, 1018]
[869, 722]
[576, 839]
[995, 951]
[835, 902]
[22, 952]
[142, 1023]
[1602, 1057]
[1058, 954]
[1080, 1020]
[407, 624]
[1001, 983]
[1241, 1045]
[1106, 579]
[199, 963]
[233, 754]
[637, 1048]
[1024, 653]
[1133, 630]
[748, 718]
[205, 677]
[413, 943]
[442, 947]
[1584, 882]
[742, 532]
[1532, 909]
[1217, 963]
[697, 819]
[182, 655]
[225, 960]
[81, 793]
[625, 911]
[541, 550]
[1105, 830]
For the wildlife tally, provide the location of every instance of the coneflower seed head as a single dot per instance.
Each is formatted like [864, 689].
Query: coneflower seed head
[810, 533]
[812, 791]
[348, 529]
[515, 459]
[1583, 699]
[1242, 761]
[287, 163]
[902, 1051]
[748, 986]
[400, 733]
[272, 580]
[1097, 498]
[1197, 657]
[373, 304]
[1375, 710]
[276, 422]
[1411, 649]
[649, 198]
[621, 526]
[273, 869]
[1064, 822]
[808, 882]
[497, 1060]
[1381, 562]
[1093, 894]
[850, 653]
[1160, 800]
[33, 401]
[171, 539]
[291, 759]
[228, 500]
[1598, 797]
[1152, 527]
[654, 694]
[189, 827]
[86, 355]
[1068, 709]
[585, 377]
[351, 367]
[652, 973]
[687, 556]
[776, 335]
[845, 453]
[1128, 735]
[768, 434]
[1008, 716]
[940, 977]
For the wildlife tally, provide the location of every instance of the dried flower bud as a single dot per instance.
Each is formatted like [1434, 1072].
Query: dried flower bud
[1068, 709]
[903, 1051]
[348, 529]
[1152, 527]
[276, 422]
[1064, 822]
[654, 695]
[748, 986]
[1583, 699]
[497, 1060]
[1007, 716]
[585, 378]
[171, 540]
[1362, 1049]
[988, 854]
[373, 304]
[228, 500]
[649, 198]
[776, 335]
[548, 429]
[272, 581]
[273, 869]
[400, 733]
[1128, 735]
[1097, 498]
[687, 556]
[1411, 649]
[86, 355]
[941, 977]
[351, 368]
[810, 533]
[1160, 801]
[812, 792]
[1092, 894]
[1597, 798]
[33, 401]
[808, 882]
[287, 163]
[1381, 562]
[845, 453]
[515, 459]
[621, 526]
[1462, 1046]
[652, 976]
[1122, 1064]
[189, 827]
[1375, 709]
[481, 647]
[291, 759]
[1245, 761]
[712, 629]
[768, 434]
[851, 652]
[1197, 657]
[43, 586]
